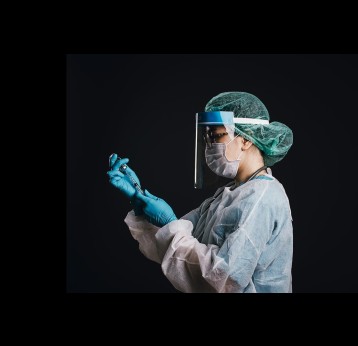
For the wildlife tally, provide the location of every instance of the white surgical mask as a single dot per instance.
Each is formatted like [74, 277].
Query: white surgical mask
[217, 161]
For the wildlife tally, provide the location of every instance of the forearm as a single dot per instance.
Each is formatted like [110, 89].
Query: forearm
[188, 264]
[180, 266]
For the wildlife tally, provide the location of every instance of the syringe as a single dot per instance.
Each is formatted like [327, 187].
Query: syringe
[123, 168]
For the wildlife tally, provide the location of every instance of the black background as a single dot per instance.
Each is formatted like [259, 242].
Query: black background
[142, 106]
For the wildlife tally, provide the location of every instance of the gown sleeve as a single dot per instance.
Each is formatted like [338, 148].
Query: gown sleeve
[195, 267]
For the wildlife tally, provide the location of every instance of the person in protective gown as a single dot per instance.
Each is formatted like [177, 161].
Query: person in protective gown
[240, 240]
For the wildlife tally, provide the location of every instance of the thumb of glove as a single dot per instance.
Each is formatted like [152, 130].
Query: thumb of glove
[148, 194]
[142, 197]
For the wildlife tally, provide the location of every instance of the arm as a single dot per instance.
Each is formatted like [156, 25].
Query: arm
[195, 267]
[144, 232]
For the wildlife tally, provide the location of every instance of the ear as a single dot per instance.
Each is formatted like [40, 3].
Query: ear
[246, 144]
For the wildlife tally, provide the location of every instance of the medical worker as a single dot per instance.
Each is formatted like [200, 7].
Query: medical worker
[239, 240]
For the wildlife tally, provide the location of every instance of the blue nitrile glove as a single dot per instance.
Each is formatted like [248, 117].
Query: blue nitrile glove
[156, 210]
[118, 179]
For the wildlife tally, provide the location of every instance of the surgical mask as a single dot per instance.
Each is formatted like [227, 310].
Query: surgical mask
[217, 161]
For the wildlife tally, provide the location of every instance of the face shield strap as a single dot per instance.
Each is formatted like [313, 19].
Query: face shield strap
[251, 121]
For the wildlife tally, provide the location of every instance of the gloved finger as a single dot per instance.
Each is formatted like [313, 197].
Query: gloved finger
[119, 163]
[115, 174]
[117, 179]
[142, 198]
[148, 194]
[118, 182]
[112, 159]
[135, 200]
[132, 173]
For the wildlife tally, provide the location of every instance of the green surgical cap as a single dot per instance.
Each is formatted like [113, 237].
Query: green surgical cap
[274, 139]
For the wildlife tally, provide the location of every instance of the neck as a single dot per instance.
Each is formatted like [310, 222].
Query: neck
[247, 169]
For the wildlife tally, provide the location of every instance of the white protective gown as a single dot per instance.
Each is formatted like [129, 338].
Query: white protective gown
[239, 241]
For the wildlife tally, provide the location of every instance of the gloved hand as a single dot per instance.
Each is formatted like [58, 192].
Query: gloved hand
[156, 210]
[119, 180]
[137, 205]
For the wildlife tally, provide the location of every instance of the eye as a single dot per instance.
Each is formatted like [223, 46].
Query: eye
[218, 135]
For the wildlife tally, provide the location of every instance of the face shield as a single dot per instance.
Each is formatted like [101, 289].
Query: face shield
[210, 128]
